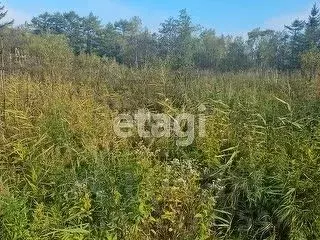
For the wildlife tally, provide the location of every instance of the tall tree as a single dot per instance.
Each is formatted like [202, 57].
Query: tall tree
[264, 47]
[176, 40]
[297, 42]
[109, 42]
[236, 58]
[210, 50]
[73, 29]
[92, 30]
[130, 31]
[83, 32]
[47, 23]
[313, 28]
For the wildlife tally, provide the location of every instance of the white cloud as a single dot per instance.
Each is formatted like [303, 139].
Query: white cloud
[278, 22]
[18, 16]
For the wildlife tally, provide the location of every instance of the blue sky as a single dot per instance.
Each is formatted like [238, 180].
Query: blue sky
[226, 16]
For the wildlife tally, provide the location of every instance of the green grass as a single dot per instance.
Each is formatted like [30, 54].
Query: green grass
[64, 174]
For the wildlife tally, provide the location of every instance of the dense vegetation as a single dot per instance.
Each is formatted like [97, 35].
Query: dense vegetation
[64, 174]
[181, 43]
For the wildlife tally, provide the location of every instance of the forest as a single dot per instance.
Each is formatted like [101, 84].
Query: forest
[66, 174]
[181, 44]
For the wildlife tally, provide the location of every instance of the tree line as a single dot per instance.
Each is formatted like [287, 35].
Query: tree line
[180, 43]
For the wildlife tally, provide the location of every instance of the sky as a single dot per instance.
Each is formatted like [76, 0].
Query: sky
[235, 17]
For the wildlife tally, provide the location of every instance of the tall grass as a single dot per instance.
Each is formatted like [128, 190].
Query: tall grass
[66, 175]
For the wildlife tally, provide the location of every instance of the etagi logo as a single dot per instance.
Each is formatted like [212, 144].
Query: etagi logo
[151, 125]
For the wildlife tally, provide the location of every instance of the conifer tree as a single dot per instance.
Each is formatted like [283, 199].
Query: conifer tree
[313, 28]
[297, 42]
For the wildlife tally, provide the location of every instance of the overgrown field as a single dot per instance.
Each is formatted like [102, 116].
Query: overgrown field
[64, 174]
